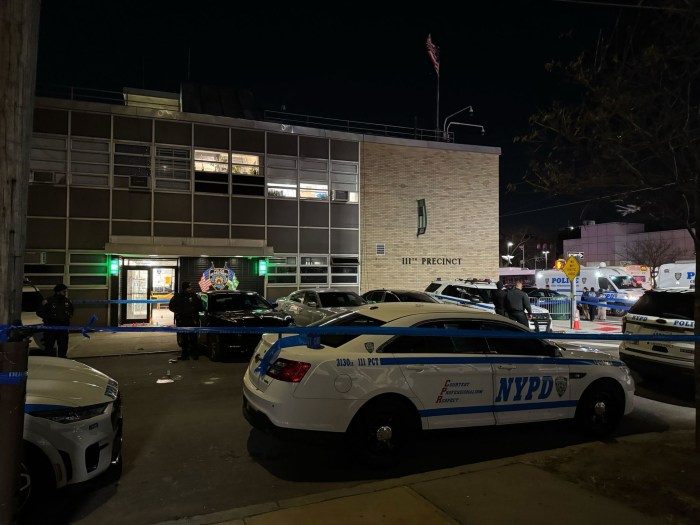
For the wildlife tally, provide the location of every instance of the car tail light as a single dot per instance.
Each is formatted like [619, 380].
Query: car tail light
[290, 371]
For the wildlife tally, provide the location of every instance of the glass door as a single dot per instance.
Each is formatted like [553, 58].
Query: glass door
[137, 285]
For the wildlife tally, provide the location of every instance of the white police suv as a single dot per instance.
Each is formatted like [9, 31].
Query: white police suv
[666, 312]
[379, 389]
[72, 425]
[478, 293]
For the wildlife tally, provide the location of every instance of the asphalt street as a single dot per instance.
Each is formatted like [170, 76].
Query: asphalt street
[188, 450]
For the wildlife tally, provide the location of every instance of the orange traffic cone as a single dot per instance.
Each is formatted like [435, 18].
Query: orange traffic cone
[577, 320]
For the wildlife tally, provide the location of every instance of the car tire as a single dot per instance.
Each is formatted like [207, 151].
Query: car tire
[599, 410]
[382, 432]
[36, 479]
[215, 350]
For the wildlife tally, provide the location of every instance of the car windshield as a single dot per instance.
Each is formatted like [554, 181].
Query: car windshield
[225, 303]
[665, 304]
[340, 299]
[624, 283]
[344, 319]
[415, 297]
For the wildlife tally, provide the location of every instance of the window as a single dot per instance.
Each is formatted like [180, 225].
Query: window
[88, 268]
[431, 344]
[246, 175]
[134, 161]
[173, 168]
[282, 270]
[49, 158]
[344, 270]
[310, 297]
[344, 319]
[340, 299]
[529, 347]
[344, 181]
[314, 270]
[89, 163]
[297, 297]
[211, 171]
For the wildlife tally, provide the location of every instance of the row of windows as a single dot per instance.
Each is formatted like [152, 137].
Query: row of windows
[316, 270]
[173, 168]
[83, 269]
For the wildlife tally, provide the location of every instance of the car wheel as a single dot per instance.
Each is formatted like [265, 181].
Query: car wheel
[599, 410]
[215, 349]
[382, 432]
[36, 479]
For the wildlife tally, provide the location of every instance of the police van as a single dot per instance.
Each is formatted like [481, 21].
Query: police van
[478, 293]
[680, 274]
[619, 286]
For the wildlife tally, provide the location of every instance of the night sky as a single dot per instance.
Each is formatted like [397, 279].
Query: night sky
[348, 60]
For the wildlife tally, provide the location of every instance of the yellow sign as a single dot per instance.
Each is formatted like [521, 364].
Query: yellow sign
[572, 268]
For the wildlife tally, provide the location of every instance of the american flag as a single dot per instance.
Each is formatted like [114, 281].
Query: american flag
[205, 282]
[433, 53]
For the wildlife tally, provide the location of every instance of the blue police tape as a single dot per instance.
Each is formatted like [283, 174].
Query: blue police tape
[12, 378]
[271, 355]
[87, 326]
[119, 301]
[373, 330]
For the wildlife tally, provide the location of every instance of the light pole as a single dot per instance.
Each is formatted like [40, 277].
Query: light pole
[444, 124]
[545, 253]
[509, 256]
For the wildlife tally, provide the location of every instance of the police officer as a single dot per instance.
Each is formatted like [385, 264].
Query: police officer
[186, 306]
[56, 311]
[499, 299]
[517, 303]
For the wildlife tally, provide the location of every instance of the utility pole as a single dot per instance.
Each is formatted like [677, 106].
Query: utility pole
[19, 31]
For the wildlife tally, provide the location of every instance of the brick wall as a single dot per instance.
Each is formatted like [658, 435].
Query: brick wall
[460, 189]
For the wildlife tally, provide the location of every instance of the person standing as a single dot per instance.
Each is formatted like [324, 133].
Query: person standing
[499, 299]
[186, 306]
[517, 303]
[583, 307]
[602, 310]
[592, 304]
[56, 311]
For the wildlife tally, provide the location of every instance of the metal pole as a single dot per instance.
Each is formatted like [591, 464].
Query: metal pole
[437, 111]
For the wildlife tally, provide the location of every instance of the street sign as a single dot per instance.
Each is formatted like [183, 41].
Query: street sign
[572, 268]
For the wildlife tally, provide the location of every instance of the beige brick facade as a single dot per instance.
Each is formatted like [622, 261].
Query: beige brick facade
[460, 188]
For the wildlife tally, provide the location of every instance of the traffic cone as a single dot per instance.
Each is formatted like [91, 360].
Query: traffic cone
[577, 320]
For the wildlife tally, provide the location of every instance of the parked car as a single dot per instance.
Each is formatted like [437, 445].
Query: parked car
[558, 305]
[235, 308]
[478, 293]
[72, 426]
[398, 296]
[308, 306]
[380, 390]
[664, 312]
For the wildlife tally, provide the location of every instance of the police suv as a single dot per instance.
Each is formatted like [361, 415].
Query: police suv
[380, 373]
[72, 426]
[661, 312]
[478, 293]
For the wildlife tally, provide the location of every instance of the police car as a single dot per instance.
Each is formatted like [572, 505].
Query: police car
[72, 426]
[478, 293]
[661, 312]
[380, 390]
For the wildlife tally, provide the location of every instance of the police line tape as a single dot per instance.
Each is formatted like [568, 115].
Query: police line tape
[315, 331]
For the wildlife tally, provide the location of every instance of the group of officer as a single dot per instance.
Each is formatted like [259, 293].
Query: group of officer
[513, 303]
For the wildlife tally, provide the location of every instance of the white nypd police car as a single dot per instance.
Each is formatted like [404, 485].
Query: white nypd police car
[72, 425]
[380, 389]
[478, 293]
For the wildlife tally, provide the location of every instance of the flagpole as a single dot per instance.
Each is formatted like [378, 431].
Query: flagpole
[437, 110]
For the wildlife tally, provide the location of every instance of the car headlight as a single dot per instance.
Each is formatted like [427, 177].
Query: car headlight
[72, 415]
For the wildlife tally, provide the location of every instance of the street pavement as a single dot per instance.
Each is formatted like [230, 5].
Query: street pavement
[493, 492]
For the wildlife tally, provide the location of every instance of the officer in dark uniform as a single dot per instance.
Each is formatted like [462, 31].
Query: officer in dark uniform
[499, 299]
[186, 306]
[517, 303]
[56, 311]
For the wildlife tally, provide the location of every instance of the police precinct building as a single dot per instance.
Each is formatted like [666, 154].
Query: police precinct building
[131, 196]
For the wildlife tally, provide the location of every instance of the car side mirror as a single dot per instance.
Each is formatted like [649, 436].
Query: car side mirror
[312, 304]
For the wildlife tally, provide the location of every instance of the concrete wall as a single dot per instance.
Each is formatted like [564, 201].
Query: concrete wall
[460, 189]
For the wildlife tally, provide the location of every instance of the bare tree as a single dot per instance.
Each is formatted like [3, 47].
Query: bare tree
[630, 124]
[652, 253]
